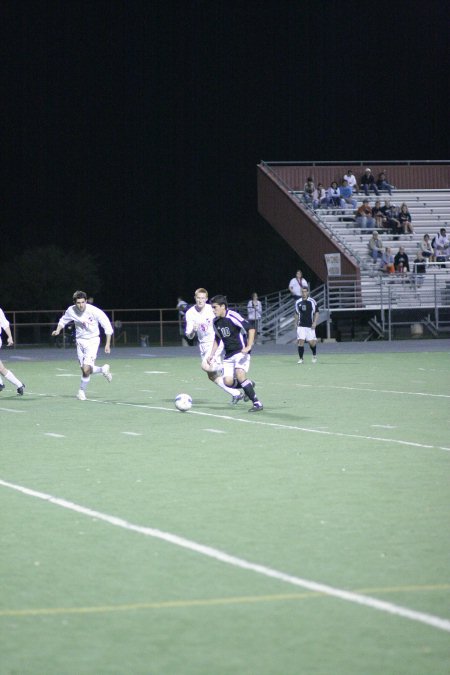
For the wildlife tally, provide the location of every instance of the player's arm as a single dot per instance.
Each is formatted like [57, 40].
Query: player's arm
[315, 319]
[190, 329]
[7, 329]
[251, 341]
[213, 350]
[64, 320]
[105, 323]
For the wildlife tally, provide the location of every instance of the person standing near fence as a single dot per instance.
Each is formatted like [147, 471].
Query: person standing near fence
[254, 313]
[87, 319]
[8, 374]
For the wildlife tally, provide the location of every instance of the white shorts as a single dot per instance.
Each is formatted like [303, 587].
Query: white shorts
[205, 351]
[239, 360]
[306, 334]
[87, 350]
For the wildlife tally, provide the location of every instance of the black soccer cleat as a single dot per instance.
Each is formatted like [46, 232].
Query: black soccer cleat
[2, 386]
[20, 390]
[256, 407]
[235, 399]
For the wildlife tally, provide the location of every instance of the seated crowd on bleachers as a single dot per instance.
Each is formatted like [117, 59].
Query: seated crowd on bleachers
[387, 219]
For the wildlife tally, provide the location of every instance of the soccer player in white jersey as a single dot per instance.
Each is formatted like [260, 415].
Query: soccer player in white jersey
[87, 319]
[199, 321]
[307, 315]
[7, 374]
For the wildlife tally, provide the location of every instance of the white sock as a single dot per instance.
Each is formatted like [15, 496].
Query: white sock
[220, 383]
[13, 379]
[96, 370]
[1, 381]
[84, 383]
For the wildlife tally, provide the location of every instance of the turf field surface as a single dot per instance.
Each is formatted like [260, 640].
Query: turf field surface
[312, 537]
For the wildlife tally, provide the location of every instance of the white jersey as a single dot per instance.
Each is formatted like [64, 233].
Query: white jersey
[4, 323]
[201, 322]
[87, 323]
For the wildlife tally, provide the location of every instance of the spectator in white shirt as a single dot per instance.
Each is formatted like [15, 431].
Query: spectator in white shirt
[296, 284]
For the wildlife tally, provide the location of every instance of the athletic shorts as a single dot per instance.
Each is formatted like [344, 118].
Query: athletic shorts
[238, 360]
[205, 351]
[306, 334]
[87, 350]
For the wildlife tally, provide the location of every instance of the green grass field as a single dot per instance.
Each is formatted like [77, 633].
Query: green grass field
[342, 481]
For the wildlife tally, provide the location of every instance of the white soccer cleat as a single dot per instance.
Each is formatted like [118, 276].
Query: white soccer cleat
[314, 359]
[81, 396]
[300, 361]
[105, 372]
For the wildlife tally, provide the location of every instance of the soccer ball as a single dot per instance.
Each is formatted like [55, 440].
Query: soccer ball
[183, 402]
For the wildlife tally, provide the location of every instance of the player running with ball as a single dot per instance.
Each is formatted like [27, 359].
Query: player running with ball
[199, 321]
[238, 337]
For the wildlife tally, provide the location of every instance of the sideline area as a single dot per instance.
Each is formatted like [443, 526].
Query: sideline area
[378, 347]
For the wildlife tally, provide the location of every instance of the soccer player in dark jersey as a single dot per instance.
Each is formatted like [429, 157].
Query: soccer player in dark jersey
[307, 315]
[237, 337]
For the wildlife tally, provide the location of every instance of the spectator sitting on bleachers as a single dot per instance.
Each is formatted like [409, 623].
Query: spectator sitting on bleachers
[387, 261]
[382, 183]
[334, 196]
[319, 197]
[420, 268]
[401, 261]
[367, 182]
[426, 248]
[404, 218]
[346, 194]
[441, 246]
[308, 190]
[378, 215]
[375, 247]
[364, 215]
[351, 180]
[391, 215]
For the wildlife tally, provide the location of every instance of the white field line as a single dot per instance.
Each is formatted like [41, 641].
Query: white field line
[130, 433]
[215, 431]
[275, 425]
[54, 435]
[377, 391]
[221, 556]
[12, 410]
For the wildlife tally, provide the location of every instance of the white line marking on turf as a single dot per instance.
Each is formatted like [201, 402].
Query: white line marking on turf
[54, 435]
[130, 433]
[383, 426]
[66, 375]
[156, 372]
[221, 556]
[12, 410]
[377, 391]
[275, 425]
[215, 431]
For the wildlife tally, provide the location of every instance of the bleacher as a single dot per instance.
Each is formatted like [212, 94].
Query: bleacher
[430, 210]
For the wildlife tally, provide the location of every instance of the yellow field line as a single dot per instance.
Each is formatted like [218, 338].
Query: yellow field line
[169, 604]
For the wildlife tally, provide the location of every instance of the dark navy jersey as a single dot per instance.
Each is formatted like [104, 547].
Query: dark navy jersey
[232, 329]
[305, 310]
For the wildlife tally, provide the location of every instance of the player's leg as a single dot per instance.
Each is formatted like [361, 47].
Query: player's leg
[300, 343]
[86, 364]
[312, 341]
[241, 369]
[9, 375]
[313, 347]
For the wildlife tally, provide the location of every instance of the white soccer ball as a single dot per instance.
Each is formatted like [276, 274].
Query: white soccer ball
[183, 402]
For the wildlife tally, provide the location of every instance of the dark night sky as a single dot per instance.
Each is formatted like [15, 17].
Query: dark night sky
[132, 129]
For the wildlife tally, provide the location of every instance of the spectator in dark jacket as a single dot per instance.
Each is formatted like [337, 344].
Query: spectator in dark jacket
[367, 182]
[401, 261]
